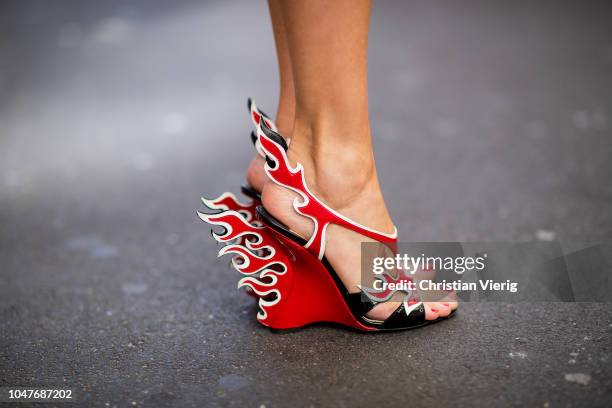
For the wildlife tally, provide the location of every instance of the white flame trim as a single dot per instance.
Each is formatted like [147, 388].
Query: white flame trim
[231, 249]
[255, 109]
[409, 309]
[210, 203]
[264, 304]
[210, 218]
[249, 246]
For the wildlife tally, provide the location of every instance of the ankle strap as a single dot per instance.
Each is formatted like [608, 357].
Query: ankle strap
[281, 172]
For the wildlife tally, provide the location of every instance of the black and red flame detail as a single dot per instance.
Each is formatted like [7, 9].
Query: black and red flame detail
[257, 256]
[257, 114]
[229, 202]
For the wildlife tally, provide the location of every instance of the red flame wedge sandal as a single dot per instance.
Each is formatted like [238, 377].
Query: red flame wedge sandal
[295, 283]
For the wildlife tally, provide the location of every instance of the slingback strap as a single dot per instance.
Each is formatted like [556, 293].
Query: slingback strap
[281, 172]
[256, 116]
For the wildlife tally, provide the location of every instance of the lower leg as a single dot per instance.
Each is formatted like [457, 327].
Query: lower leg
[285, 111]
[331, 135]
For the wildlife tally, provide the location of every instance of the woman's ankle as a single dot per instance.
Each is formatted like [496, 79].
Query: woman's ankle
[339, 168]
[336, 169]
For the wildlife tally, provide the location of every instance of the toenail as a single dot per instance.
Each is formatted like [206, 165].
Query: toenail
[446, 304]
[434, 310]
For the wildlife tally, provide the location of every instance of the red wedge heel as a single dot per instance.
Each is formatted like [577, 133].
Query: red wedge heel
[293, 286]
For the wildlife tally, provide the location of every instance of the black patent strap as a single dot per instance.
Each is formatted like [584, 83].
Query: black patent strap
[400, 320]
[359, 304]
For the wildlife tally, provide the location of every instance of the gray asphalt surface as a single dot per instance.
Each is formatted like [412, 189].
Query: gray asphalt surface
[492, 121]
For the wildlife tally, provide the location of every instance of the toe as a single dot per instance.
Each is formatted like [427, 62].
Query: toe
[452, 305]
[434, 310]
[256, 176]
[443, 309]
[431, 312]
[450, 300]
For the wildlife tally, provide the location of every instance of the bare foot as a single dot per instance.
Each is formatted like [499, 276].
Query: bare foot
[256, 176]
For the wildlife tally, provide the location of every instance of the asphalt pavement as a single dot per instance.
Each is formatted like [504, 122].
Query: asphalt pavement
[492, 121]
